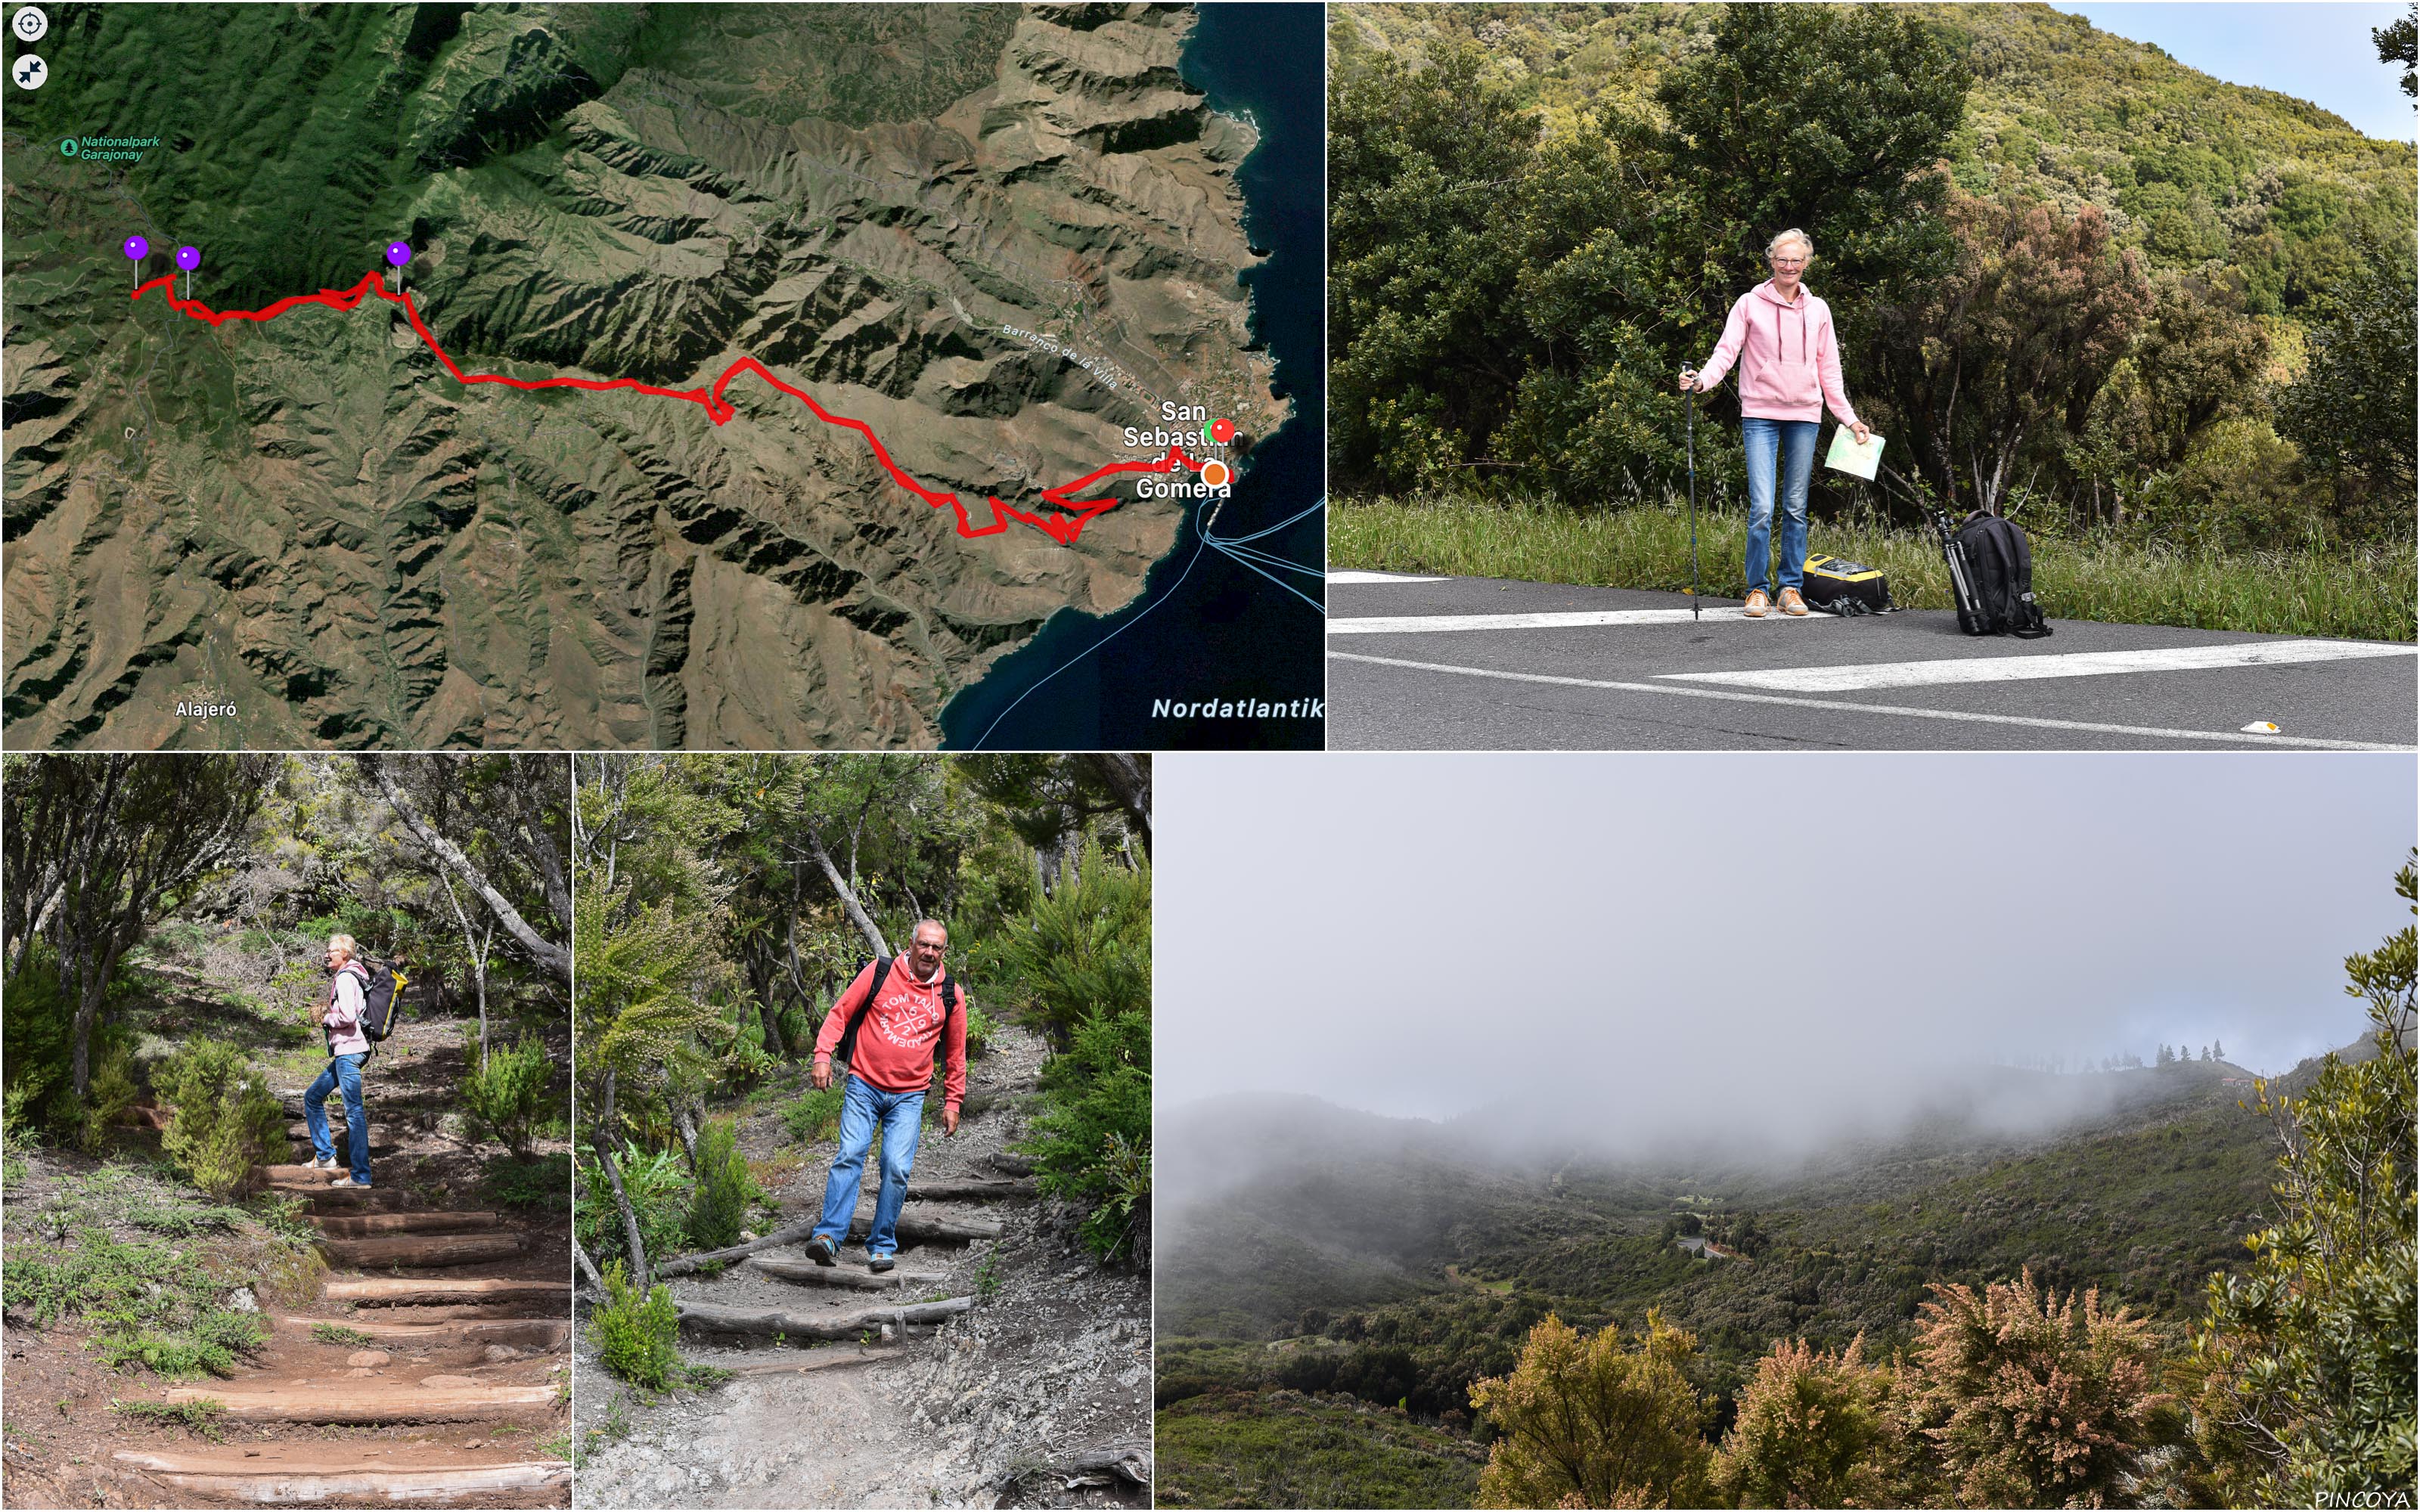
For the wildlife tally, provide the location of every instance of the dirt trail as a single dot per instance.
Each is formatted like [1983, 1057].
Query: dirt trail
[428, 1364]
[1048, 1371]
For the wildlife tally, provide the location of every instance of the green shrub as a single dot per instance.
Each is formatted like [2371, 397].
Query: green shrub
[981, 1026]
[37, 1023]
[505, 1094]
[659, 1189]
[199, 1418]
[635, 1336]
[725, 1191]
[1092, 1141]
[225, 1120]
[526, 1185]
[815, 1116]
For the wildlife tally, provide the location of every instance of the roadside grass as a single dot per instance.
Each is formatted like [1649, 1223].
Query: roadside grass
[2362, 592]
[352, 1338]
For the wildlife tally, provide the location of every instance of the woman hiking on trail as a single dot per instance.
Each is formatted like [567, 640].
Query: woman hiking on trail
[340, 1017]
[1789, 369]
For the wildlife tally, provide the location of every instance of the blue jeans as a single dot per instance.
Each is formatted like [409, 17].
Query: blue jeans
[901, 1115]
[344, 1072]
[1791, 443]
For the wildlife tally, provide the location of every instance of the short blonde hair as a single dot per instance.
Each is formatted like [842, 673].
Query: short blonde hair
[344, 944]
[1793, 234]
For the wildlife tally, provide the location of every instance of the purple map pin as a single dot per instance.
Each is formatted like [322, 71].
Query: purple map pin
[137, 248]
[189, 258]
[398, 252]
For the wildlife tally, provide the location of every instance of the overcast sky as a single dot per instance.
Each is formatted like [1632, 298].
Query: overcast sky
[2315, 49]
[1418, 935]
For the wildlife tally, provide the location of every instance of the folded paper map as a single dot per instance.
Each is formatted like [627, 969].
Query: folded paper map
[1847, 455]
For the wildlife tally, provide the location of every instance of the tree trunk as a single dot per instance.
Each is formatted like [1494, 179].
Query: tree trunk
[587, 1266]
[549, 957]
[771, 1321]
[1122, 774]
[847, 894]
[621, 1196]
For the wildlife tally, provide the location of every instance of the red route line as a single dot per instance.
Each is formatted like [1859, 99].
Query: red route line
[1062, 529]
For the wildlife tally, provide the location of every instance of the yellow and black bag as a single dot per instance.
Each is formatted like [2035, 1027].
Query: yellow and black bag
[1837, 587]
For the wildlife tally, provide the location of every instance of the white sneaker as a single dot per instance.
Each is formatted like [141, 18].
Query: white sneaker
[327, 1163]
[346, 1180]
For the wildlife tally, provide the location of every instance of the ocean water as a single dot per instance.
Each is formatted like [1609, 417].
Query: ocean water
[1207, 626]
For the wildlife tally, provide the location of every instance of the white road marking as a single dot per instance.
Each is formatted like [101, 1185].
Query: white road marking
[1549, 620]
[1946, 670]
[1344, 575]
[1962, 716]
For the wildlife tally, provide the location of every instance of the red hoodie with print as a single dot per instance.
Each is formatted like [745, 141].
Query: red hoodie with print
[895, 1043]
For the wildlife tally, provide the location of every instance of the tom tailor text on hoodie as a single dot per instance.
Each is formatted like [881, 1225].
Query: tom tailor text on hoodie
[1789, 358]
[344, 1016]
[895, 1043]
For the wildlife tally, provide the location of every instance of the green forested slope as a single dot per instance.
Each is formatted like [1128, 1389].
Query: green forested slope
[2189, 167]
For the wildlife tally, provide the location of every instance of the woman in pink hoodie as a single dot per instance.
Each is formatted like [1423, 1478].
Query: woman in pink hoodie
[1789, 359]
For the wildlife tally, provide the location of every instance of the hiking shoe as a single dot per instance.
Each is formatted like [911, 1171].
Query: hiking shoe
[347, 1180]
[326, 1163]
[821, 1250]
[1756, 604]
[1792, 602]
[879, 1263]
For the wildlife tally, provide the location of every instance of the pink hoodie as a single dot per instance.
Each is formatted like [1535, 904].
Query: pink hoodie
[1789, 359]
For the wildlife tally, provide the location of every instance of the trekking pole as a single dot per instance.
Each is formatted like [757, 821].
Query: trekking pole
[1696, 594]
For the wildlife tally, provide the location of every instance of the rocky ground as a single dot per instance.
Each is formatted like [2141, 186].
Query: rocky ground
[1040, 1395]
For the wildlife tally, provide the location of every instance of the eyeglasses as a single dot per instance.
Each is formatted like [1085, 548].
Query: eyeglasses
[1788, 262]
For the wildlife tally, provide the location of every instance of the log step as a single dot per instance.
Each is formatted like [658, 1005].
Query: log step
[320, 1197]
[366, 1226]
[832, 1359]
[346, 1401]
[528, 1333]
[965, 1191]
[770, 1322]
[922, 1228]
[306, 1175]
[403, 1291]
[285, 1476]
[808, 1273]
[425, 1249]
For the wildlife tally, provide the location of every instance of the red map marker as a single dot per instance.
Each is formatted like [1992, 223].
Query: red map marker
[1222, 431]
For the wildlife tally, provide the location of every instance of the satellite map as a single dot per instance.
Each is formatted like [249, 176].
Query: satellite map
[704, 376]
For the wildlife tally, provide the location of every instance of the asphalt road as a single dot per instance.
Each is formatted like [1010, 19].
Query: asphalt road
[1609, 669]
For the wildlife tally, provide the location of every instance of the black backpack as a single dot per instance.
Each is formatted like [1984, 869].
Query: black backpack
[1991, 576]
[847, 1050]
[381, 1001]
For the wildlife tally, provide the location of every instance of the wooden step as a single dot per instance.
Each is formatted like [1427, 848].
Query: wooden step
[767, 1322]
[417, 1250]
[277, 1474]
[832, 1359]
[528, 1333]
[404, 1291]
[925, 1229]
[978, 1191]
[305, 1175]
[322, 1198]
[367, 1226]
[338, 1399]
[853, 1278]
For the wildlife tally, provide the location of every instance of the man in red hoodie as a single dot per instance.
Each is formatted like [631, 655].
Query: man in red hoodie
[892, 1017]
